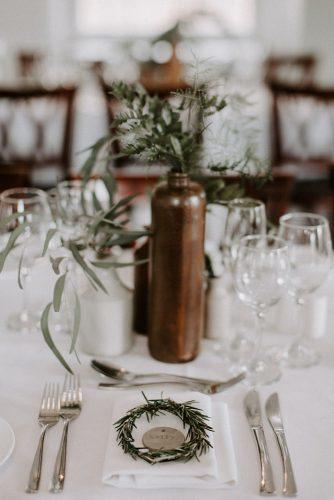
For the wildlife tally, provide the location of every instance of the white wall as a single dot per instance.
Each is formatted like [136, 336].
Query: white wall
[284, 26]
[23, 23]
[280, 25]
[318, 36]
[292, 26]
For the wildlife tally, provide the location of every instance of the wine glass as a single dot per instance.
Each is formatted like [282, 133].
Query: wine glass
[32, 205]
[246, 216]
[310, 245]
[261, 273]
[74, 206]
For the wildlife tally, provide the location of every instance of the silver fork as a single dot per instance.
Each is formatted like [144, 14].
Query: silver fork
[49, 414]
[71, 400]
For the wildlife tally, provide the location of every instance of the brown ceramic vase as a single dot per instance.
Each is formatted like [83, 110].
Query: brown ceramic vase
[176, 295]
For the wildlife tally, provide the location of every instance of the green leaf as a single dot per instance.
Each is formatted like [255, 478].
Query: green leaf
[89, 164]
[76, 322]
[123, 239]
[110, 184]
[96, 203]
[176, 146]
[19, 271]
[11, 242]
[58, 292]
[121, 203]
[122, 230]
[95, 145]
[55, 262]
[49, 235]
[108, 265]
[11, 218]
[48, 339]
[91, 274]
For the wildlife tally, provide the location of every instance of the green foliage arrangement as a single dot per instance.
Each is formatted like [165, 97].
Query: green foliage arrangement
[104, 230]
[169, 132]
[156, 130]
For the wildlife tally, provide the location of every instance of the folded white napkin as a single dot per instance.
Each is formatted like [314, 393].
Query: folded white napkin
[215, 469]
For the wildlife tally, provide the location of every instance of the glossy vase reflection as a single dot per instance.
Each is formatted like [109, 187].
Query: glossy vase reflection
[176, 299]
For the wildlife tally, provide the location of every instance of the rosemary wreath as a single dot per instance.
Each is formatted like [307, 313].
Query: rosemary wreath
[197, 440]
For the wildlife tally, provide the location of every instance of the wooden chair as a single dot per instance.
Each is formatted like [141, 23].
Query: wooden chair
[303, 139]
[275, 192]
[35, 134]
[16, 176]
[28, 63]
[290, 69]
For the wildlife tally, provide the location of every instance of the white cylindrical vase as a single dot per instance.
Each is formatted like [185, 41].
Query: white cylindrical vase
[106, 319]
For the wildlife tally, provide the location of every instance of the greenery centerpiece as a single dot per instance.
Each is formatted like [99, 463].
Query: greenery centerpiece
[155, 130]
[170, 133]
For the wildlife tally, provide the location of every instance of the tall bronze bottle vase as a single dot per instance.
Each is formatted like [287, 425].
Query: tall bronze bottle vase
[176, 296]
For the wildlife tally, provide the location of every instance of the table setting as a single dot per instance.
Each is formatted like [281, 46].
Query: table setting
[241, 406]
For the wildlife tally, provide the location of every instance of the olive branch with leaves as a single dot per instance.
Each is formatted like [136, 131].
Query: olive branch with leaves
[105, 230]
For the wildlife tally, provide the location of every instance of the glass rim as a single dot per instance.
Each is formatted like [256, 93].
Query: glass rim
[256, 203]
[36, 193]
[283, 244]
[284, 220]
[69, 183]
[74, 184]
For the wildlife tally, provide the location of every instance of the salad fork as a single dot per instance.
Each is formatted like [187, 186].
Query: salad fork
[71, 400]
[49, 414]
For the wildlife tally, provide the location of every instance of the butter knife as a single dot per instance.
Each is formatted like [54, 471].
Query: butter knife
[276, 422]
[253, 414]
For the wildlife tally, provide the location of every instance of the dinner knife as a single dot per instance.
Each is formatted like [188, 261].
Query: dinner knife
[253, 414]
[276, 422]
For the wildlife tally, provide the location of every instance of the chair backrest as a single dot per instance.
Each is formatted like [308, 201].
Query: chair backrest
[302, 124]
[36, 127]
[297, 70]
[28, 63]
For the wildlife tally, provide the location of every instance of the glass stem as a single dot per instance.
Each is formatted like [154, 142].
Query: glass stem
[298, 323]
[259, 325]
[25, 273]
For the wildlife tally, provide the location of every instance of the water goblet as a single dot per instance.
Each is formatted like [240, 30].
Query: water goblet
[31, 207]
[245, 217]
[261, 273]
[309, 239]
[74, 205]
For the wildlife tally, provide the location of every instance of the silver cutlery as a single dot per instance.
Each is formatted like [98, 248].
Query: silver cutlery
[125, 379]
[253, 414]
[49, 414]
[276, 422]
[71, 400]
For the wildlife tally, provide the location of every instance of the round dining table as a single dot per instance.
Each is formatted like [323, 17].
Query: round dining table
[26, 363]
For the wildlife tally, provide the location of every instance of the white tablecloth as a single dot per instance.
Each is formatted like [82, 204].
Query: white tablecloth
[307, 399]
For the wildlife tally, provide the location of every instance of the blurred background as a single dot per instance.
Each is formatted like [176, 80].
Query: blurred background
[58, 59]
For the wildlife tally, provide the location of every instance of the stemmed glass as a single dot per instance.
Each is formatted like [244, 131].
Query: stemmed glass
[73, 206]
[310, 245]
[32, 205]
[245, 217]
[261, 272]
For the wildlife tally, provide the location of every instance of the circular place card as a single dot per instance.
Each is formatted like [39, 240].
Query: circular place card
[163, 438]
